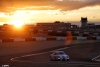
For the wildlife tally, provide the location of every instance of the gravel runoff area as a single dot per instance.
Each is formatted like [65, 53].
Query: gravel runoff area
[24, 47]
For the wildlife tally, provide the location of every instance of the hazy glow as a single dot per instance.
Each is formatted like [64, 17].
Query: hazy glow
[2, 14]
[59, 0]
[18, 23]
[69, 38]
[29, 16]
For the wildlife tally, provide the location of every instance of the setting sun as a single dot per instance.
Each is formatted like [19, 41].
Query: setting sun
[18, 23]
[18, 19]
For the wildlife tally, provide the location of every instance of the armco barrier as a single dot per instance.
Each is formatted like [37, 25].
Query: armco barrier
[77, 32]
[61, 38]
[79, 38]
[40, 39]
[47, 39]
[19, 39]
[86, 32]
[30, 39]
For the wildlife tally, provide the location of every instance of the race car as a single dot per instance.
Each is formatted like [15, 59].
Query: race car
[59, 55]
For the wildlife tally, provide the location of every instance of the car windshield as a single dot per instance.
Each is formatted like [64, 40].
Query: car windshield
[31, 30]
[61, 53]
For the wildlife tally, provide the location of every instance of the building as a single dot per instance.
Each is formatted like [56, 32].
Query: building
[89, 26]
[60, 25]
[84, 22]
[74, 26]
[85, 25]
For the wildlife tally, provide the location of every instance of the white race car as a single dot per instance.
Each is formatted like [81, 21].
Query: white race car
[59, 55]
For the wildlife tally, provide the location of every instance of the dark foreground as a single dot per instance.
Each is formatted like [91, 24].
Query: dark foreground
[80, 56]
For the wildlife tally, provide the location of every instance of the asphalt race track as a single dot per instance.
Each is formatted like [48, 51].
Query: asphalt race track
[81, 52]
[80, 55]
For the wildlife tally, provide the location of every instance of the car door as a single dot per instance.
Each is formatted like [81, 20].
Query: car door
[53, 55]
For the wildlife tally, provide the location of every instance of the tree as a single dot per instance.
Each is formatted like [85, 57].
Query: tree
[57, 22]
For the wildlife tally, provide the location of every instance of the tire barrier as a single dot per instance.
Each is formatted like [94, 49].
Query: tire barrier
[74, 33]
[7, 40]
[54, 33]
[47, 39]
[74, 38]
[77, 32]
[30, 39]
[50, 38]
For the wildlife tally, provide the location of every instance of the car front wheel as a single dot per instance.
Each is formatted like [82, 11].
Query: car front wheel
[67, 59]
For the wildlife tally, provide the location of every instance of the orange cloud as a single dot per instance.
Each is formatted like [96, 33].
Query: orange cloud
[63, 5]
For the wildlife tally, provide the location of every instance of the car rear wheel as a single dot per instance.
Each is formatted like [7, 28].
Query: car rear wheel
[51, 58]
[67, 59]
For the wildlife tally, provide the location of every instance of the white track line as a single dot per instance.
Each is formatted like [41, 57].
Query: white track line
[95, 58]
[13, 59]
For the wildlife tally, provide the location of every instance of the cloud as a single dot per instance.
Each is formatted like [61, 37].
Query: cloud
[63, 5]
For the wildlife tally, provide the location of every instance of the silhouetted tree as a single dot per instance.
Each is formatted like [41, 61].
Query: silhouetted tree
[57, 22]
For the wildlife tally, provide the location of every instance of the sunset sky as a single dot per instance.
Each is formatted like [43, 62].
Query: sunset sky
[31, 11]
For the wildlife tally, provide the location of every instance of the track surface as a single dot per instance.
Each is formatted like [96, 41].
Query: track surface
[80, 54]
